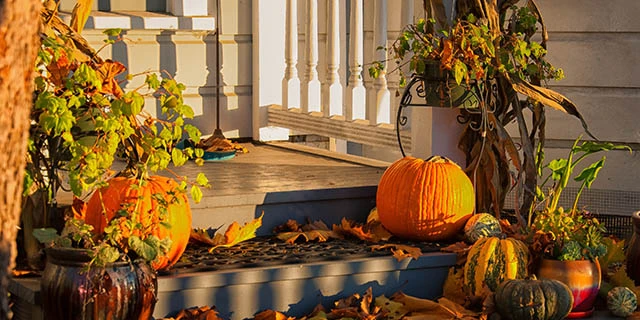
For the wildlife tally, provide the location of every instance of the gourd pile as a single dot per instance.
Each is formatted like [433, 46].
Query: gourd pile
[433, 200]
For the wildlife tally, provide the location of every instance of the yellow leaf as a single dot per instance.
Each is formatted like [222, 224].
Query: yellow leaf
[236, 234]
[80, 15]
[400, 251]
[392, 310]
[453, 286]
[271, 315]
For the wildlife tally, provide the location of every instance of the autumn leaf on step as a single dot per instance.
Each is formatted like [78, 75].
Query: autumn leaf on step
[373, 216]
[271, 315]
[458, 311]
[417, 308]
[391, 309]
[196, 313]
[453, 286]
[372, 232]
[461, 249]
[204, 236]
[236, 234]
[317, 231]
[400, 251]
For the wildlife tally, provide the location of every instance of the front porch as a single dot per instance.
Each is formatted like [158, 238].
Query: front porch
[285, 181]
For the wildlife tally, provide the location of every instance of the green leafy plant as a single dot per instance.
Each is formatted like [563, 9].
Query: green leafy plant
[83, 122]
[569, 234]
[498, 48]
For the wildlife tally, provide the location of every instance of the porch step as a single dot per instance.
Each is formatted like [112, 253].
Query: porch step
[285, 181]
[292, 288]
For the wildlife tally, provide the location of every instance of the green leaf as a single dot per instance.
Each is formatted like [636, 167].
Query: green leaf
[460, 71]
[202, 180]
[152, 81]
[193, 132]
[45, 235]
[557, 167]
[178, 157]
[589, 174]
[113, 32]
[196, 194]
[106, 254]
[143, 248]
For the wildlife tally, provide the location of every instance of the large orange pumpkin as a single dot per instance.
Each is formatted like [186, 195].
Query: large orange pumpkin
[424, 199]
[123, 193]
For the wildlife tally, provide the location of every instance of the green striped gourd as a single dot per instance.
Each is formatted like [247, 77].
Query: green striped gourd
[492, 260]
[481, 225]
[531, 299]
[622, 301]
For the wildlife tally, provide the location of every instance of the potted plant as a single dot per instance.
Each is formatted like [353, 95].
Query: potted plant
[569, 241]
[81, 124]
[490, 49]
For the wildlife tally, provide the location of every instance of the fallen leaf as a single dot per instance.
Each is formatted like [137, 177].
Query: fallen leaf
[459, 311]
[392, 310]
[461, 249]
[453, 286]
[400, 251]
[313, 231]
[372, 232]
[236, 234]
[204, 236]
[271, 315]
[373, 216]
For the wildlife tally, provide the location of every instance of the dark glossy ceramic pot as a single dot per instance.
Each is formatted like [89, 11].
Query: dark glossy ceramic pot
[119, 291]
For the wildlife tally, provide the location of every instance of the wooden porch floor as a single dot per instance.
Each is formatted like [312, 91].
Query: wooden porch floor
[283, 166]
[284, 181]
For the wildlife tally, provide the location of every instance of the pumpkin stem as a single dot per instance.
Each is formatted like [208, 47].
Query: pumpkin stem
[441, 159]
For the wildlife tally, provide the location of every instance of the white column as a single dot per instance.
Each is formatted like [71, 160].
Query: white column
[356, 93]
[407, 12]
[311, 86]
[382, 105]
[333, 94]
[291, 82]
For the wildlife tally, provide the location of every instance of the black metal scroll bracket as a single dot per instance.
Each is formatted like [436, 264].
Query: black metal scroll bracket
[423, 87]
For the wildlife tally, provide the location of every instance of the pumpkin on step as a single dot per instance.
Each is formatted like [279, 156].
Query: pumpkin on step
[531, 299]
[158, 204]
[424, 199]
[492, 260]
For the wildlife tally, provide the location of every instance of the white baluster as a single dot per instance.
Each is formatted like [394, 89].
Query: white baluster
[291, 82]
[356, 93]
[333, 94]
[311, 87]
[382, 106]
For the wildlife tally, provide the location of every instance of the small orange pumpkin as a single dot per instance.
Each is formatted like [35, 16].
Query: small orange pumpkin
[126, 193]
[424, 199]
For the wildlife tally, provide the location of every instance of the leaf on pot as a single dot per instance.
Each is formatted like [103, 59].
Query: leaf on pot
[400, 251]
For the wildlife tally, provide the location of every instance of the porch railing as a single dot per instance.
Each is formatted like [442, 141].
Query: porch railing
[326, 88]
